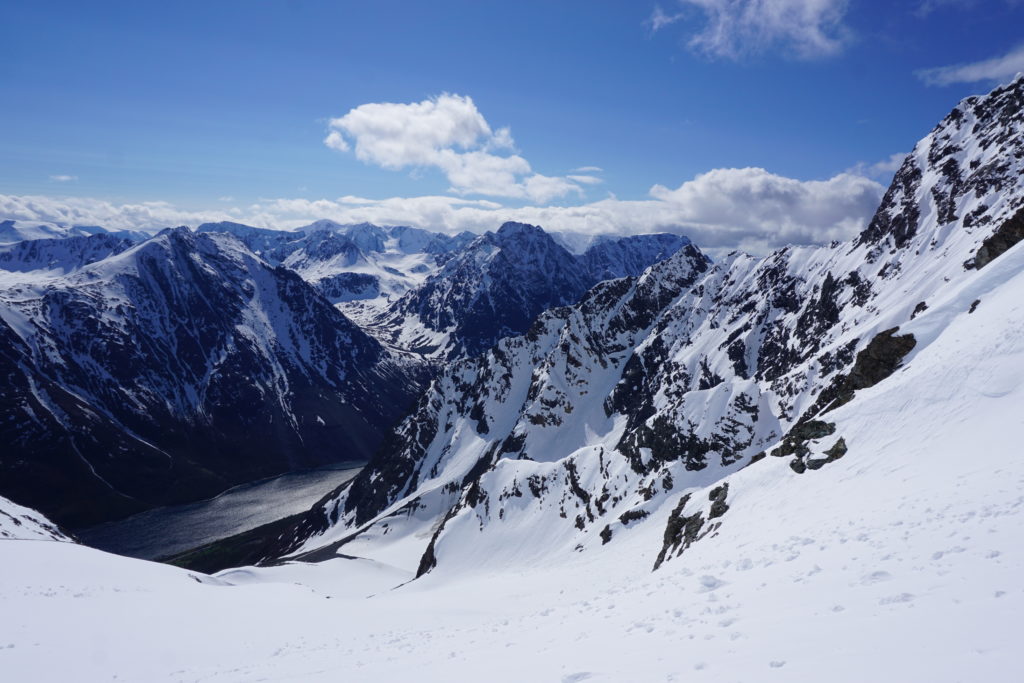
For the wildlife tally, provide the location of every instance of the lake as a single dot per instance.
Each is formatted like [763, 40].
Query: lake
[169, 530]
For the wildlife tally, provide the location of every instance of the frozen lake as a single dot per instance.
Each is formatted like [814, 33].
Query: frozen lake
[169, 530]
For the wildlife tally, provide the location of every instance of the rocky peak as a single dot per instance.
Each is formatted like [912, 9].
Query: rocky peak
[961, 172]
[652, 388]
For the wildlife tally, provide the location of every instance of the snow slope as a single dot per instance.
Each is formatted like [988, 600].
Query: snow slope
[62, 255]
[903, 560]
[18, 522]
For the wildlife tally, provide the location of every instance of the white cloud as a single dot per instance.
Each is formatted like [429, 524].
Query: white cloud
[448, 133]
[585, 179]
[659, 19]
[63, 178]
[926, 7]
[1002, 68]
[87, 211]
[746, 208]
[880, 169]
[588, 169]
[733, 29]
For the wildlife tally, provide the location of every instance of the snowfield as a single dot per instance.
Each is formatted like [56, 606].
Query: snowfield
[901, 561]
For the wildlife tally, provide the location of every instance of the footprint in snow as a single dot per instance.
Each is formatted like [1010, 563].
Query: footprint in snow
[579, 676]
[875, 577]
[895, 599]
[709, 583]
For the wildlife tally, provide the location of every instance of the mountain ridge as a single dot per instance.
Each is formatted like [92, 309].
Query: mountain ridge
[739, 362]
[177, 368]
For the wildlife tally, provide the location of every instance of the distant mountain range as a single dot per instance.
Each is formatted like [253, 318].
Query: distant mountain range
[500, 282]
[176, 368]
[145, 370]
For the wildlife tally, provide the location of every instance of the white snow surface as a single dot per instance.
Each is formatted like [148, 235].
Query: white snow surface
[904, 560]
[18, 522]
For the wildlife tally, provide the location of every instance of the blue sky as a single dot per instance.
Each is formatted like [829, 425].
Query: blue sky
[221, 106]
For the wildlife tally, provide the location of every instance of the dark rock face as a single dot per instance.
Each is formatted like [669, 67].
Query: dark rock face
[1006, 236]
[495, 288]
[795, 442]
[348, 286]
[176, 370]
[837, 451]
[718, 504]
[629, 256]
[682, 531]
[897, 216]
[497, 285]
[879, 359]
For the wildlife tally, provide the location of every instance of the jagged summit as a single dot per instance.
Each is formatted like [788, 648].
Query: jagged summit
[975, 153]
[514, 228]
[499, 283]
[641, 403]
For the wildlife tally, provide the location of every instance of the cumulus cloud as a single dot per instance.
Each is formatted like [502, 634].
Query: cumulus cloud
[63, 178]
[733, 29]
[880, 169]
[448, 133]
[745, 208]
[1001, 68]
[88, 211]
[754, 208]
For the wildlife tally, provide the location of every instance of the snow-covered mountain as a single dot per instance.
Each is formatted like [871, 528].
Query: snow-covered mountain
[19, 523]
[174, 369]
[120, 365]
[497, 286]
[448, 296]
[361, 268]
[614, 257]
[652, 393]
[12, 231]
[61, 255]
